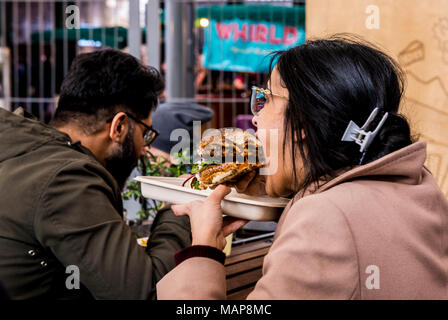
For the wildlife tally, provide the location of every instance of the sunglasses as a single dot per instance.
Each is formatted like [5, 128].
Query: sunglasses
[150, 134]
[258, 99]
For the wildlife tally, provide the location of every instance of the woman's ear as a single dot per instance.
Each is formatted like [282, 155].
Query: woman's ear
[119, 127]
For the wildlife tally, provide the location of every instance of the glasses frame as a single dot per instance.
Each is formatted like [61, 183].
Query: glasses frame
[150, 135]
[256, 90]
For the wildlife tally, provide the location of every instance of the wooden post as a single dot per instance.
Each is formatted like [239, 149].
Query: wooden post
[415, 33]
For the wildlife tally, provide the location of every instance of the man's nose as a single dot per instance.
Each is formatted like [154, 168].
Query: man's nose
[143, 151]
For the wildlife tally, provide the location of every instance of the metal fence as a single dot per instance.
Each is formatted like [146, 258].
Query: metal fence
[40, 38]
[37, 47]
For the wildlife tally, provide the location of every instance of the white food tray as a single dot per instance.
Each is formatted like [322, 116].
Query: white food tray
[235, 204]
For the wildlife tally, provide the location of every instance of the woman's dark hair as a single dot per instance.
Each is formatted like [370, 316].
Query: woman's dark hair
[330, 82]
[101, 83]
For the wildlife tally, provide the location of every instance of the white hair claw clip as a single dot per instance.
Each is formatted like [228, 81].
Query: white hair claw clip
[360, 135]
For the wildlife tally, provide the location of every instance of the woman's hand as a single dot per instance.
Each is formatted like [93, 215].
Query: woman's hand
[207, 225]
[251, 184]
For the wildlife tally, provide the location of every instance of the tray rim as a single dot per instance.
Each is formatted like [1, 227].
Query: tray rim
[153, 181]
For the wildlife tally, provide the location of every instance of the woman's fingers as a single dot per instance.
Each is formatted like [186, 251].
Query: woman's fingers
[252, 184]
[206, 220]
[242, 184]
[186, 208]
[230, 225]
[218, 194]
[181, 209]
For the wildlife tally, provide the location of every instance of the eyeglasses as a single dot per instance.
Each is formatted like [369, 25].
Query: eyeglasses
[150, 133]
[258, 99]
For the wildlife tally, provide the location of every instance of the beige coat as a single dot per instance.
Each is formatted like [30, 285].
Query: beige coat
[378, 231]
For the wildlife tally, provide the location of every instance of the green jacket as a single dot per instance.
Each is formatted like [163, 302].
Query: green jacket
[60, 207]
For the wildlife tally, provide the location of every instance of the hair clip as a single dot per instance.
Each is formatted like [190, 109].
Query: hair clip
[360, 135]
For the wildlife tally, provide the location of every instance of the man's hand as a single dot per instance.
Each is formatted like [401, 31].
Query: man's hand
[207, 225]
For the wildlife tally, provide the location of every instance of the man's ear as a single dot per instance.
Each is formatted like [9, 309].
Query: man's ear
[119, 127]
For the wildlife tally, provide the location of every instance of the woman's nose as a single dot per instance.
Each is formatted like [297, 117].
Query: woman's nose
[254, 121]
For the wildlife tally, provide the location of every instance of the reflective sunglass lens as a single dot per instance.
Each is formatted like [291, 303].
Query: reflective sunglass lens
[259, 102]
[149, 137]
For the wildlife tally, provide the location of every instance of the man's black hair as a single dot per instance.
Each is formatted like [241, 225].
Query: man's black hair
[99, 84]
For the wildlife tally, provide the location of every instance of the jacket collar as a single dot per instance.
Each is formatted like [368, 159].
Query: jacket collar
[403, 166]
[21, 132]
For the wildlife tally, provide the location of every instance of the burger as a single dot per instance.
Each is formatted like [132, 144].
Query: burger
[226, 157]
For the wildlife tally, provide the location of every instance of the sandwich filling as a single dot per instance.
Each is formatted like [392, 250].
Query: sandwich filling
[227, 157]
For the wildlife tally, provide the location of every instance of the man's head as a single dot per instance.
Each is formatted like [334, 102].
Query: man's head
[106, 101]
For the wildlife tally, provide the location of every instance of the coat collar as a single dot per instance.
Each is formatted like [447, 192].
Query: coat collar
[404, 166]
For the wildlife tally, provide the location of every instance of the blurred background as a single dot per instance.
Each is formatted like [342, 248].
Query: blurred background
[211, 52]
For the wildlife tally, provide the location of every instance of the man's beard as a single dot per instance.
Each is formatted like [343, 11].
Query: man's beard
[121, 162]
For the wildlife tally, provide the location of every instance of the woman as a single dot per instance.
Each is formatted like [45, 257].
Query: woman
[366, 221]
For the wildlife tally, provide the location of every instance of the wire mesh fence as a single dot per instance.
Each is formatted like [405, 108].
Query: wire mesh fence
[40, 38]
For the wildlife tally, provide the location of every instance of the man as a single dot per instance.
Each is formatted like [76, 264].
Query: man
[61, 208]
[168, 117]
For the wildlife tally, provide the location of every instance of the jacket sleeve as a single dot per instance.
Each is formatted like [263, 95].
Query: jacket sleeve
[169, 234]
[77, 222]
[312, 257]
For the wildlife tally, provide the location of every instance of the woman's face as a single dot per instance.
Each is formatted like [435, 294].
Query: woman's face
[270, 120]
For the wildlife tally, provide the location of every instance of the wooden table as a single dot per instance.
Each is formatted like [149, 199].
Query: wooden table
[244, 267]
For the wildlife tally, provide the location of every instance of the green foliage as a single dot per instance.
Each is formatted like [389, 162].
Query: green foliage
[132, 190]
[196, 184]
[197, 167]
[155, 166]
